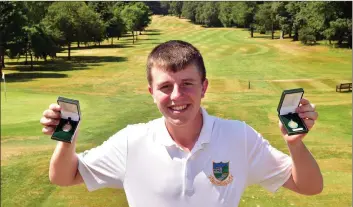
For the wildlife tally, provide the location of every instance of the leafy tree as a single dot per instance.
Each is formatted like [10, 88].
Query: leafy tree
[90, 28]
[175, 8]
[165, 5]
[144, 17]
[283, 18]
[130, 15]
[36, 11]
[207, 14]
[263, 18]
[340, 30]
[12, 20]
[189, 10]
[39, 44]
[62, 22]
[244, 15]
[225, 13]
[156, 7]
[307, 35]
[294, 18]
[115, 26]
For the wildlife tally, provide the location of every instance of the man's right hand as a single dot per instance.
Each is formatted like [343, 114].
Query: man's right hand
[51, 118]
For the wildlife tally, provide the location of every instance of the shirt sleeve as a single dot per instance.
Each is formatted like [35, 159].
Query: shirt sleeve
[267, 166]
[105, 165]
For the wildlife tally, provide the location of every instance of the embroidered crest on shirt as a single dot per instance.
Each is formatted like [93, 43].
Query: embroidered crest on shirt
[221, 175]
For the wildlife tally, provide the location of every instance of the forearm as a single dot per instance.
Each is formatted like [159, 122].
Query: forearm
[306, 172]
[63, 164]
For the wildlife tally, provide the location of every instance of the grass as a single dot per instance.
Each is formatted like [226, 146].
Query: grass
[111, 85]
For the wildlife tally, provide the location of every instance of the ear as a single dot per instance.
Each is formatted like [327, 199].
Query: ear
[204, 88]
[150, 89]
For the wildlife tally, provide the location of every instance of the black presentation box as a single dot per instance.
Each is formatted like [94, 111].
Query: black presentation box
[290, 100]
[70, 118]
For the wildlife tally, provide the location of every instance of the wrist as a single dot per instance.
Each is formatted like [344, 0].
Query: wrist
[294, 143]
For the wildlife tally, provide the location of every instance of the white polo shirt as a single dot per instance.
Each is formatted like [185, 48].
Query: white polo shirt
[144, 160]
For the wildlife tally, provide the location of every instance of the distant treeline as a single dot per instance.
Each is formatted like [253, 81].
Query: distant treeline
[305, 21]
[41, 29]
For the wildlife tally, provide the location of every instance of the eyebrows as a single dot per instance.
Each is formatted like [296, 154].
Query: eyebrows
[182, 80]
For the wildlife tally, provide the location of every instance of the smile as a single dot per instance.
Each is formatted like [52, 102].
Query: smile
[179, 108]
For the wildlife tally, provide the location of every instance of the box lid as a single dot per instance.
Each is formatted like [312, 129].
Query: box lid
[290, 100]
[69, 108]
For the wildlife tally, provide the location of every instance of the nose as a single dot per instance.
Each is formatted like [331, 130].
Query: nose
[176, 93]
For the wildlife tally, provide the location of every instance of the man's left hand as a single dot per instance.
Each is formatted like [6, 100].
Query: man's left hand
[307, 112]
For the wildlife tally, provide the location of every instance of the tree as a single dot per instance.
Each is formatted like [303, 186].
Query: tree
[340, 30]
[225, 13]
[62, 22]
[12, 20]
[294, 18]
[263, 18]
[144, 17]
[175, 8]
[39, 44]
[165, 5]
[90, 28]
[207, 14]
[189, 10]
[244, 15]
[115, 26]
[130, 16]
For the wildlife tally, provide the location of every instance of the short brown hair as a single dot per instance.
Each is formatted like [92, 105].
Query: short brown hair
[175, 55]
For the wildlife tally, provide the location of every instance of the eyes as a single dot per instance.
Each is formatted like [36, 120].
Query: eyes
[170, 86]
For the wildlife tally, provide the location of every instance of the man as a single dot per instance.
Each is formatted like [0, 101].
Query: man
[187, 157]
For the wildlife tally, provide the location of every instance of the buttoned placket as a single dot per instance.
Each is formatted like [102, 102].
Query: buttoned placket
[188, 181]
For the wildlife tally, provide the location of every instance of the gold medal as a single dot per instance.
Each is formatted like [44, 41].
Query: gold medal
[292, 124]
[67, 127]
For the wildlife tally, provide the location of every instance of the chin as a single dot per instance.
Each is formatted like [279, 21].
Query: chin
[177, 122]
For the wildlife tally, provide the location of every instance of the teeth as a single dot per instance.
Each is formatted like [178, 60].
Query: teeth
[179, 108]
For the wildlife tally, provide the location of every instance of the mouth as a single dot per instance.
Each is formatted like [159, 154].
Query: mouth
[179, 108]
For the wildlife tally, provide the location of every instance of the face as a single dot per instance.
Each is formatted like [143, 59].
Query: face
[178, 95]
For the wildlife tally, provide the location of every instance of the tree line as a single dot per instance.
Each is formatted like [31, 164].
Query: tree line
[41, 29]
[305, 21]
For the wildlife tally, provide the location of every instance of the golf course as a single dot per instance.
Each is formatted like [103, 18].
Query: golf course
[246, 79]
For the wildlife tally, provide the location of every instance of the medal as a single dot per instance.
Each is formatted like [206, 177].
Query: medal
[292, 124]
[67, 127]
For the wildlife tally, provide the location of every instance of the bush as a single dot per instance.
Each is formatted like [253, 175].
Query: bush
[307, 36]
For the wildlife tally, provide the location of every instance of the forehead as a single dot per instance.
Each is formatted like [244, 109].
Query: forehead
[160, 75]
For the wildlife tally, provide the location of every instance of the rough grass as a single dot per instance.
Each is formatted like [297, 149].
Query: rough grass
[111, 85]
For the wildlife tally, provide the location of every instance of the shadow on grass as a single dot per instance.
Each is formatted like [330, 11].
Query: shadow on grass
[266, 37]
[100, 47]
[62, 64]
[24, 77]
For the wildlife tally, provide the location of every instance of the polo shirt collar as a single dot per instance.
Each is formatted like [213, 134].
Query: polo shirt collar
[163, 137]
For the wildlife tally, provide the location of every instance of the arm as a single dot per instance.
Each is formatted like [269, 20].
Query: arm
[306, 175]
[63, 168]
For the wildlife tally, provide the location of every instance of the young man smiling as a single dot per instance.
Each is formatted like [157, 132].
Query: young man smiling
[186, 157]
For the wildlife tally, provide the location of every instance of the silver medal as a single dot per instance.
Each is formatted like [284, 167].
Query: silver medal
[292, 124]
[67, 127]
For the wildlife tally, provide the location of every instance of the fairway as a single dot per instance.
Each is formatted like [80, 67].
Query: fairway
[110, 83]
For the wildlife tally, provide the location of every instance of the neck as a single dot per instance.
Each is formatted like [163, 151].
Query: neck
[187, 135]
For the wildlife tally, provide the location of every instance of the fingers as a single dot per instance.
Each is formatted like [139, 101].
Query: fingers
[305, 106]
[55, 107]
[313, 115]
[49, 113]
[49, 122]
[51, 118]
[304, 101]
[309, 123]
[49, 130]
